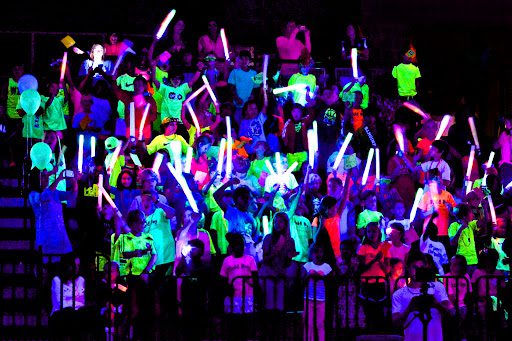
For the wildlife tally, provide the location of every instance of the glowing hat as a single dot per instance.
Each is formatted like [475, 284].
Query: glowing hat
[111, 142]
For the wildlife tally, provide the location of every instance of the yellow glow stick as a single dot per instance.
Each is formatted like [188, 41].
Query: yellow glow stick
[100, 186]
[184, 186]
[165, 23]
[80, 152]
[415, 109]
[367, 166]
[188, 160]
[417, 198]
[110, 201]
[93, 146]
[442, 127]
[220, 160]
[224, 43]
[143, 122]
[63, 67]
[471, 122]
[114, 157]
[353, 57]
[194, 119]
[343, 148]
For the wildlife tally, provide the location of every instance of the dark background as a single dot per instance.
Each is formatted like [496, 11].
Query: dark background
[463, 46]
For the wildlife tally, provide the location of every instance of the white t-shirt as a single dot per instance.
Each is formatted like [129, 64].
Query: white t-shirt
[414, 330]
[438, 252]
[67, 294]
[443, 167]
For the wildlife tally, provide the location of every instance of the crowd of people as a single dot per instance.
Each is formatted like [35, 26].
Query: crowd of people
[247, 174]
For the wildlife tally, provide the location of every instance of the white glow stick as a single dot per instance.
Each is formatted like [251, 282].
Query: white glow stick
[132, 119]
[471, 122]
[377, 165]
[100, 186]
[175, 147]
[269, 166]
[194, 119]
[224, 43]
[293, 87]
[80, 152]
[229, 157]
[353, 57]
[184, 186]
[399, 136]
[156, 163]
[220, 159]
[415, 109]
[491, 158]
[265, 71]
[110, 201]
[93, 146]
[61, 159]
[195, 94]
[291, 169]
[114, 157]
[279, 164]
[492, 210]
[264, 222]
[188, 160]
[311, 148]
[470, 162]
[343, 148]
[210, 90]
[165, 23]
[63, 67]
[118, 62]
[228, 127]
[417, 198]
[442, 127]
[143, 122]
[469, 185]
[509, 185]
[315, 135]
[367, 166]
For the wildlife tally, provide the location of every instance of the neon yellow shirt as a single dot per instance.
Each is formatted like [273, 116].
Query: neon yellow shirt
[466, 245]
[406, 75]
[128, 242]
[13, 99]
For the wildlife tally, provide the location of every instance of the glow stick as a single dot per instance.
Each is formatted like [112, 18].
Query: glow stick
[228, 127]
[175, 147]
[61, 156]
[132, 119]
[118, 62]
[279, 164]
[195, 94]
[311, 148]
[469, 185]
[491, 158]
[110, 201]
[63, 67]
[135, 159]
[80, 152]
[264, 222]
[492, 210]
[229, 157]
[442, 126]
[188, 160]
[471, 122]
[470, 162]
[377, 165]
[315, 135]
[293, 87]
[508, 185]
[415, 109]
[224, 43]
[265, 71]
[93, 146]
[220, 159]
[165, 23]
[156, 163]
[353, 57]
[100, 186]
[113, 159]
[269, 166]
[143, 122]
[210, 90]
[291, 169]
[417, 198]
[342, 151]
[367, 166]
[194, 119]
[184, 186]
[399, 136]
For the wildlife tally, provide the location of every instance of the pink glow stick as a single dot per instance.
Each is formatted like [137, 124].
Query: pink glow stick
[399, 136]
[442, 127]
[63, 67]
[417, 110]
[471, 122]
[194, 118]
[165, 23]
[100, 186]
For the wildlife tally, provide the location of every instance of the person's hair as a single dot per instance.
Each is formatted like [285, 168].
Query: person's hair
[197, 243]
[433, 173]
[313, 177]
[275, 233]
[315, 247]
[462, 210]
[91, 53]
[431, 229]
[337, 180]
[202, 139]
[441, 145]
[236, 243]
[244, 53]
[366, 240]
[119, 183]
[400, 228]
[134, 216]
[246, 105]
[241, 192]
[67, 267]
[463, 262]
[488, 258]
[147, 174]
[366, 194]
[415, 256]
[394, 261]
[328, 202]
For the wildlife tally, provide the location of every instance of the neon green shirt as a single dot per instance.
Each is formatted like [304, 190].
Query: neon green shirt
[172, 100]
[13, 99]
[128, 242]
[298, 78]
[163, 142]
[158, 226]
[53, 117]
[406, 75]
[466, 245]
[368, 216]
[220, 224]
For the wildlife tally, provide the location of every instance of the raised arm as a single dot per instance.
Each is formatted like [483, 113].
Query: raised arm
[219, 194]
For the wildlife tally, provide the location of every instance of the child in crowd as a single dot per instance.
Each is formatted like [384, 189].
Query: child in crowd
[429, 244]
[398, 216]
[396, 274]
[397, 247]
[369, 213]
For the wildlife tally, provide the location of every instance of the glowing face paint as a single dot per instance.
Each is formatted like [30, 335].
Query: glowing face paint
[367, 166]
[194, 119]
[132, 119]
[353, 57]
[184, 187]
[188, 161]
[80, 152]
[442, 127]
[220, 159]
[143, 122]
[471, 122]
[93, 146]
[417, 198]
[100, 186]
[415, 109]
[224, 43]
[165, 23]
[63, 67]
[343, 148]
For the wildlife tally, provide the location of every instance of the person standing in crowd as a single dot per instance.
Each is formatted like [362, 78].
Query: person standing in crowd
[289, 49]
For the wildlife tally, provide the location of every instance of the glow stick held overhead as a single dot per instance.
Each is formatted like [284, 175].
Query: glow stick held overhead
[188, 160]
[184, 186]
[414, 209]
[143, 122]
[269, 167]
[315, 135]
[228, 127]
[100, 194]
[210, 90]
[63, 67]
[110, 201]
[490, 160]
[224, 43]
[442, 127]
[471, 122]
[93, 146]
[229, 157]
[377, 165]
[367, 166]
[469, 185]
[165, 23]
[353, 57]
[194, 119]
[265, 71]
[399, 136]
[132, 119]
[470, 162]
[311, 148]
[80, 152]
[342, 150]
[195, 94]
[220, 160]
[279, 164]
[114, 157]
[415, 109]
[492, 210]
[264, 223]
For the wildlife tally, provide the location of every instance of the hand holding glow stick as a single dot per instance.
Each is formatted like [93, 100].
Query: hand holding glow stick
[143, 122]
[367, 166]
[353, 57]
[415, 109]
[194, 119]
[417, 198]
[224, 43]
[165, 23]
[210, 90]
[184, 186]
[343, 148]
[220, 160]
[442, 127]
[100, 194]
[63, 68]
[80, 152]
[471, 122]
[188, 160]
[110, 201]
